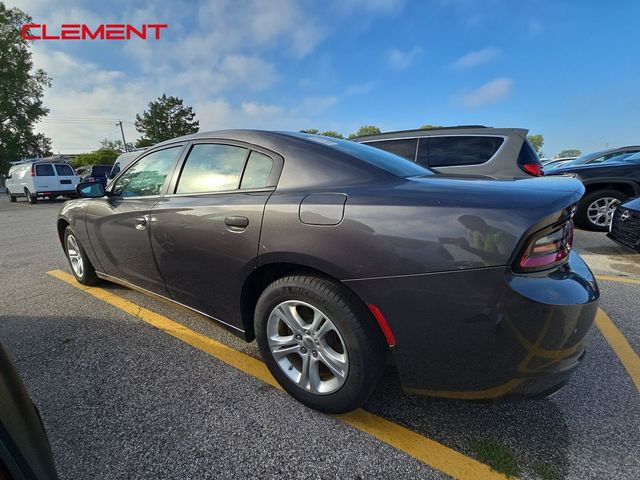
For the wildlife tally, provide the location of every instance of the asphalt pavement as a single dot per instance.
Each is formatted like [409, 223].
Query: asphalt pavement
[122, 399]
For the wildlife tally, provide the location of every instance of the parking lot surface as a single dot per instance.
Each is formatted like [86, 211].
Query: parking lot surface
[131, 387]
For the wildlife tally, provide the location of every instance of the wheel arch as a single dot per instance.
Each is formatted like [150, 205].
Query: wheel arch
[627, 187]
[62, 225]
[268, 273]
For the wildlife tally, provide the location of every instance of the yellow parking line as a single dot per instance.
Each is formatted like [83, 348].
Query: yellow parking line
[615, 278]
[430, 452]
[629, 358]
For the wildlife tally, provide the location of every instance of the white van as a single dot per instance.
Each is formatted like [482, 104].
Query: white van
[41, 178]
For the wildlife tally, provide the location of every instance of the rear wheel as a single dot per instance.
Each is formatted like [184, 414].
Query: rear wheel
[33, 199]
[595, 210]
[319, 343]
[78, 260]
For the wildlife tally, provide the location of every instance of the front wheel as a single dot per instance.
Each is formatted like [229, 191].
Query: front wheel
[319, 343]
[595, 210]
[80, 264]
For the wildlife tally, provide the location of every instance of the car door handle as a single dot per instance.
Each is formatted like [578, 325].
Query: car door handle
[141, 223]
[236, 223]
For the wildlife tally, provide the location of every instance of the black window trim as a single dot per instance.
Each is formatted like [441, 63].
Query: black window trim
[165, 185]
[278, 162]
[505, 139]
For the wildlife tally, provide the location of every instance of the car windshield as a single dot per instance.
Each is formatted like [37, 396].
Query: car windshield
[386, 161]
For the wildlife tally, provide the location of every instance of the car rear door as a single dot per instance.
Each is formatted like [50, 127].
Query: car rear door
[44, 178]
[118, 224]
[67, 179]
[205, 232]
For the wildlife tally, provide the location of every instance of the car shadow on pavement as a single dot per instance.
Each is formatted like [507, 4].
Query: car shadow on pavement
[534, 430]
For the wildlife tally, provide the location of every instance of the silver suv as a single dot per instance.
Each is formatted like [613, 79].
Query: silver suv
[470, 150]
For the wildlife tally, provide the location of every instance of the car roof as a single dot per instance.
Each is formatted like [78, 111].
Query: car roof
[455, 130]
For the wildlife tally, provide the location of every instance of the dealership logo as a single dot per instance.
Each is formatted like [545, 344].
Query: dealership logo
[80, 31]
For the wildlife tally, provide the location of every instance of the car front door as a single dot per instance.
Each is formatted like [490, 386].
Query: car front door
[205, 232]
[118, 224]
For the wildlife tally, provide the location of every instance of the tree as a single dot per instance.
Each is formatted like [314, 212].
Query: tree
[166, 118]
[312, 131]
[428, 126]
[537, 141]
[107, 144]
[331, 133]
[102, 156]
[365, 130]
[570, 152]
[21, 92]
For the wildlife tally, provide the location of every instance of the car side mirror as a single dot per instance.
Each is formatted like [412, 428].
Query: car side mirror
[90, 189]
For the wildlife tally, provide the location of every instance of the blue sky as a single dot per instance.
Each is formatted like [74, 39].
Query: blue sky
[568, 70]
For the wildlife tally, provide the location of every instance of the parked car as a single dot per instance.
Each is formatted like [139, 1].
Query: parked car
[123, 160]
[551, 161]
[607, 184]
[24, 447]
[625, 224]
[592, 158]
[39, 178]
[331, 254]
[474, 150]
[94, 173]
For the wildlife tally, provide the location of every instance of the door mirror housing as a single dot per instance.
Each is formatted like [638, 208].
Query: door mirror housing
[90, 189]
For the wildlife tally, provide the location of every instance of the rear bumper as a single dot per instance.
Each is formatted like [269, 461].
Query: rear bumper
[486, 333]
[55, 193]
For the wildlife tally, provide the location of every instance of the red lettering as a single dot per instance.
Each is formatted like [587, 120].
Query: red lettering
[48, 37]
[70, 31]
[157, 26]
[86, 32]
[141, 34]
[26, 34]
[115, 31]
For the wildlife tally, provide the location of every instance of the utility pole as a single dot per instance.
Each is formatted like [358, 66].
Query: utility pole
[124, 141]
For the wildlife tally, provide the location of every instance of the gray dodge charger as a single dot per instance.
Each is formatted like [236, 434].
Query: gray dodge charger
[334, 255]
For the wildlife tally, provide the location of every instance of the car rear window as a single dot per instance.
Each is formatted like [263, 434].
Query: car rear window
[100, 170]
[404, 147]
[44, 170]
[389, 162]
[462, 150]
[257, 172]
[64, 170]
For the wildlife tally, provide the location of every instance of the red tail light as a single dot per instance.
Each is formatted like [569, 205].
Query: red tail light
[534, 169]
[33, 170]
[547, 248]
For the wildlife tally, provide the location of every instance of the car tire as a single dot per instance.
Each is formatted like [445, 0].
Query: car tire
[344, 336]
[32, 199]
[591, 214]
[12, 198]
[80, 264]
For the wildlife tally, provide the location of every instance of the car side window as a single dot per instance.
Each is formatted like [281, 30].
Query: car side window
[44, 170]
[405, 147]
[147, 176]
[212, 168]
[453, 150]
[257, 172]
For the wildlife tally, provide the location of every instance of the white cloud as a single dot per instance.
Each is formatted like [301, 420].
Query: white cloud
[358, 89]
[490, 92]
[478, 57]
[401, 59]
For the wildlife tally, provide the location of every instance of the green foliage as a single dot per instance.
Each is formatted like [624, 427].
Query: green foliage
[545, 471]
[498, 456]
[365, 130]
[332, 133]
[428, 126]
[570, 152]
[537, 141]
[21, 92]
[107, 144]
[166, 118]
[97, 157]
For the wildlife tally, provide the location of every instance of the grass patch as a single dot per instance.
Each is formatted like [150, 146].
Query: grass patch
[498, 456]
[546, 471]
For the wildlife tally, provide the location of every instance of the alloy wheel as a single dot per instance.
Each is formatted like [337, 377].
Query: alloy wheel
[308, 347]
[75, 257]
[600, 212]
